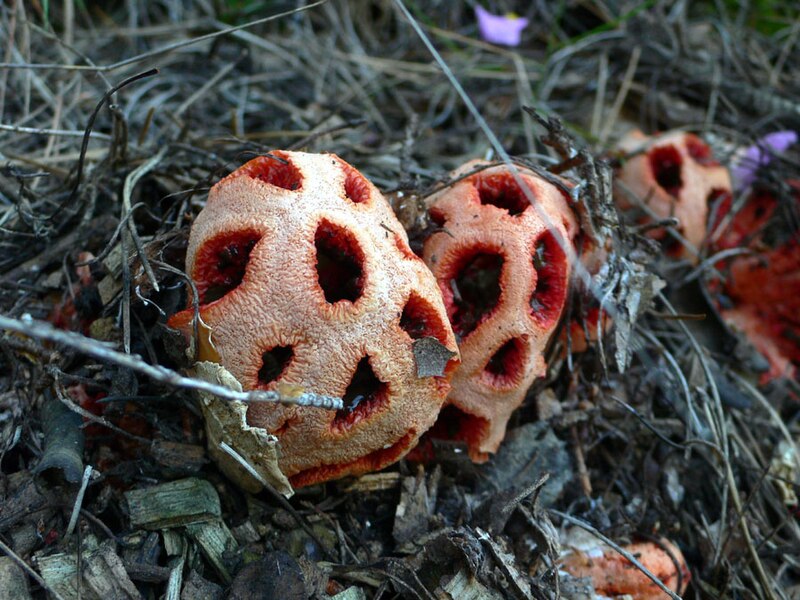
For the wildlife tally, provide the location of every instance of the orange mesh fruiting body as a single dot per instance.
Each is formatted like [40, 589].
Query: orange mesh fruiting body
[673, 175]
[503, 272]
[761, 288]
[613, 575]
[765, 291]
[307, 282]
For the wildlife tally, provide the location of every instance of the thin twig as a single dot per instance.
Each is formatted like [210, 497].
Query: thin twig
[127, 190]
[87, 134]
[723, 442]
[58, 132]
[26, 325]
[76, 509]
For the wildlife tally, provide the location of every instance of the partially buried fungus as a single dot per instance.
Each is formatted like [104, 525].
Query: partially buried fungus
[613, 575]
[306, 281]
[503, 271]
[757, 290]
[673, 175]
[765, 292]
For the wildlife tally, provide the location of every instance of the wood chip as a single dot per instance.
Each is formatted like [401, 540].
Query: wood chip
[172, 504]
[103, 574]
[218, 546]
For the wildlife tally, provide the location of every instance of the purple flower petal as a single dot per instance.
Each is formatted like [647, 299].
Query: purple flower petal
[502, 30]
[760, 154]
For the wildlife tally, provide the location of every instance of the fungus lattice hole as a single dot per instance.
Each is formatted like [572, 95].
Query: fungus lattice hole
[356, 187]
[700, 151]
[550, 264]
[221, 263]
[420, 319]
[506, 366]
[501, 190]
[666, 162]
[749, 222]
[672, 244]
[365, 394]
[456, 425]
[437, 217]
[274, 362]
[339, 263]
[276, 170]
[474, 290]
[761, 203]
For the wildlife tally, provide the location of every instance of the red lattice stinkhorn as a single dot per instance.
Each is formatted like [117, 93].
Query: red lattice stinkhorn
[503, 273]
[761, 289]
[306, 279]
[673, 175]
[765, 291]
[612, 575]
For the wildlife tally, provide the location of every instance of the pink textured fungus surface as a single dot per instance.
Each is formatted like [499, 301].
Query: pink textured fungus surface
[503, 273]
[305, 279]
[673, 175]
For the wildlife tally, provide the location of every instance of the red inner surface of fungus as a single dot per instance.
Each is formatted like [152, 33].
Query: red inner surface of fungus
[420, 319]
[474, 289]
[364, 395]
[356, 188]
[276, 170]
[340, 263]
[501, 190]
[700, 151]
[454, 425]
[666, 162]
[748, 221]
[550, 292]
[506, 366]
[221, 263]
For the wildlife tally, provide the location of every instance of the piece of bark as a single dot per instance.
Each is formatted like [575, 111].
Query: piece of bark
[63, 439]
[351, 593]
[25, 538]
[173, 504]
[414, 511]
[147, 573]
[13, 581]
[218, 546]
[174, 542]
[175, 581]
[528, 452]
[506, 574]
[463, 586]
[245, 533]
[276, 575]
[373, 482]
[103, 574]
[26, 499]
[142, 548]
[178, 458]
